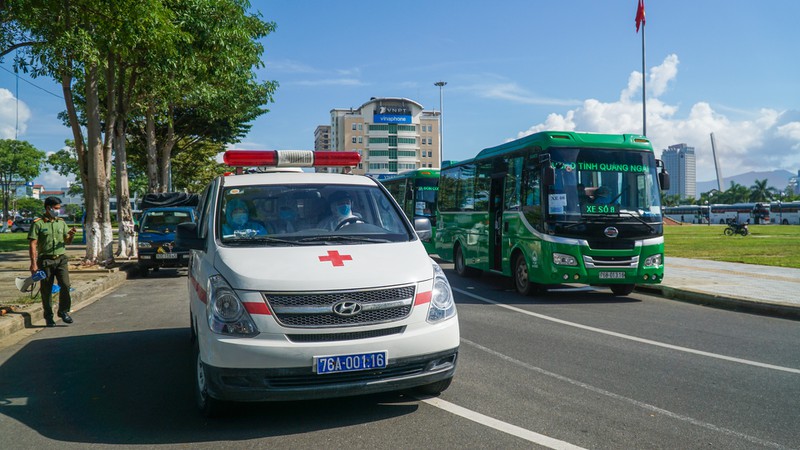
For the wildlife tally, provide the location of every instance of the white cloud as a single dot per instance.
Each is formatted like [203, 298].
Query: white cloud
[505, 90]
[769, 140]
[8, 115]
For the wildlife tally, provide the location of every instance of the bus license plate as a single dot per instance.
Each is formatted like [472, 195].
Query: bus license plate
[349, 363]
[166, 256]
[612, 275]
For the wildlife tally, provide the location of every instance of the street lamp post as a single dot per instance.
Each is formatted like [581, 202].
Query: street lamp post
[441, 84]
[780, 209]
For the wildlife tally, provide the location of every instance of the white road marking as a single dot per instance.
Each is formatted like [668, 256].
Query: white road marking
[649, 407]
[632, 338]
[499, 425]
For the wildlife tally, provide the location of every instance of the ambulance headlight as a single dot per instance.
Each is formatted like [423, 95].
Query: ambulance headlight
[442, 306]
[226, 313]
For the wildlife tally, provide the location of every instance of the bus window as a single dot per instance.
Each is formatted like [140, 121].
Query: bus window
[513, 184]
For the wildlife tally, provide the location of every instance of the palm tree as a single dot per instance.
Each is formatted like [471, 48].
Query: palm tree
[759, 192]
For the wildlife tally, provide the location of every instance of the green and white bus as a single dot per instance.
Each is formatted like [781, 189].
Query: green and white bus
[416, 191]
[554, 208]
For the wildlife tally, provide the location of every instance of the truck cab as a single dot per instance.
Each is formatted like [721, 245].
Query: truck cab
[161, 215]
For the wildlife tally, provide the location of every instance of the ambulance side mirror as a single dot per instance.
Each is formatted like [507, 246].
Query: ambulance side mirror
[186, 237]
[423, 227]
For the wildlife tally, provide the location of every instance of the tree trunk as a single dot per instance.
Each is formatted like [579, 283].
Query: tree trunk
[152, 156]
[165, 154]
[99, 242]
[127, 245]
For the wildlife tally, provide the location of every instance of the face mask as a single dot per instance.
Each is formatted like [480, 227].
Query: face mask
[54, 212]
[344, 210]
[287, 214]
[239, 219]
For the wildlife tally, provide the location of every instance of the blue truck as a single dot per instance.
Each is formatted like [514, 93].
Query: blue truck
[161, 214]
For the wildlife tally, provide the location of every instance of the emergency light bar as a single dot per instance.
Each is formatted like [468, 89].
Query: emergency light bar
[289, 158]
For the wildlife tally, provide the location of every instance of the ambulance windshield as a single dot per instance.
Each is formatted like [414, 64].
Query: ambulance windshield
[302, 214]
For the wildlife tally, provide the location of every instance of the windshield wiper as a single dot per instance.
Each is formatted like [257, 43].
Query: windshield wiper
[630, 214]
[339, 238]
[258, 240]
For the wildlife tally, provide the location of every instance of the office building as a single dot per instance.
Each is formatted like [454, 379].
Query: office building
[392, 135]
[322, 138]
[680, 162]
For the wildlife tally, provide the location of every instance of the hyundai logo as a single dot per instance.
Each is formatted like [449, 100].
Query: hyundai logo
[611, 232]
[347, 308]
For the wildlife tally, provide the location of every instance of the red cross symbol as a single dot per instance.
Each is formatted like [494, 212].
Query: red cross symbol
[335, 258]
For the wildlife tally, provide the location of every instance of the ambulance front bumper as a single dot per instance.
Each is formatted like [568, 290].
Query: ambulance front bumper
[254, 385]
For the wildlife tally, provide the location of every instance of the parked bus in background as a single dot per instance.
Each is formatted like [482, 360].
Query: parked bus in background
[556, 207]
[756, 213]
[785, 213]
[687, 213]
[416, 192]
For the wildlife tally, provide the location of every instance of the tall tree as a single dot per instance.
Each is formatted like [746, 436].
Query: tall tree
[759, 192]
[19, 162]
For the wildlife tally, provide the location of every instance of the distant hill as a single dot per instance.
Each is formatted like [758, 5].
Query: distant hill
[777, 179]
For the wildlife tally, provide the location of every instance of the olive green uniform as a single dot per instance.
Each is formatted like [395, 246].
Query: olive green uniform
[50, 235]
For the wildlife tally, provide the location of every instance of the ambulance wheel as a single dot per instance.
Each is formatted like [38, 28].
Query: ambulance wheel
[461, 264]
[435, 388]
[209, 406]
[521, 281]
[622, 289]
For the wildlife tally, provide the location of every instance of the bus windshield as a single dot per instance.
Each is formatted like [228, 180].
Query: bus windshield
[591, 182]
[425, 193]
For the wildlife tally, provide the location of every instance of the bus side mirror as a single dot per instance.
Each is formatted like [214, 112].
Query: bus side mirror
[663, 180]
[663, 176]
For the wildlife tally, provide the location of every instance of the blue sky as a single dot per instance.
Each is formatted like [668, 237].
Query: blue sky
[514, 67]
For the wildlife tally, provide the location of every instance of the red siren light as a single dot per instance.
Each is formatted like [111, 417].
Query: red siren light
[289, 158]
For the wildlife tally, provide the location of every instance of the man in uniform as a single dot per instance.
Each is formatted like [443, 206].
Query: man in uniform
[48, 238]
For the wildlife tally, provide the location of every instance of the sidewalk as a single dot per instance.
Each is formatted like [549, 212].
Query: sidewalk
[87, 284]
[742, 287]
[766, 290]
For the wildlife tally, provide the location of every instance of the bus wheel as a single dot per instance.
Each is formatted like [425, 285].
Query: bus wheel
[621, 289]
[521, 280]
[461, 264]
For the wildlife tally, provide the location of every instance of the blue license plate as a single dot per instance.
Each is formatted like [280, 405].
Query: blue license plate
[350, 363]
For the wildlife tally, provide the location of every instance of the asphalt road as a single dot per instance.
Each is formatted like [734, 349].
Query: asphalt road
[573, 368]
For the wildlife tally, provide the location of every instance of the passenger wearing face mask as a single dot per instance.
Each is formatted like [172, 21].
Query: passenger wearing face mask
[237, 217]
[49, 237]
[285, 222]
[341, 212]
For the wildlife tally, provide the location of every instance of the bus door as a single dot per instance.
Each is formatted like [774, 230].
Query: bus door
[496, 216]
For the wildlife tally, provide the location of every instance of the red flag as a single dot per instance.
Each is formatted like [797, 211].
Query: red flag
[640, 15]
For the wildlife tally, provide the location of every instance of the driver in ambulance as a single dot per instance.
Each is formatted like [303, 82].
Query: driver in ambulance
[341, 211]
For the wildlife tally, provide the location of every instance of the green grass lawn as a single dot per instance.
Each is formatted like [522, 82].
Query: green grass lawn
[11, 242]
[769, 245]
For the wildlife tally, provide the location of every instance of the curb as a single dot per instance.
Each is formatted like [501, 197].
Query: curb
[82, 296]
[723, 302]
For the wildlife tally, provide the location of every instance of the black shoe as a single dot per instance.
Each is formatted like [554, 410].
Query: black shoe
[50, 323]
[65, 317]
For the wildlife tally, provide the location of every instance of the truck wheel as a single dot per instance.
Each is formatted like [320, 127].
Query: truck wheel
[435, 388]
[622, 289]
[144, 271]
[209, 406]
[461, 264]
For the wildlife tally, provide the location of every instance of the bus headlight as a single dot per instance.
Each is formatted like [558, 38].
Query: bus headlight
[653, 261]
[226, 313]
[561, 259]
[443, 306]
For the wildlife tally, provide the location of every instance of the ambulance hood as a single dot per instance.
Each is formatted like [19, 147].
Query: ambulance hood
[320, 268]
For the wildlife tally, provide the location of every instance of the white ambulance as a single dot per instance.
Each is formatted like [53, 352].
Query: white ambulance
[312, 285]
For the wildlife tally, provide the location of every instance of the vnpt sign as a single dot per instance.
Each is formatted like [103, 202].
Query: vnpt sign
[390, 118]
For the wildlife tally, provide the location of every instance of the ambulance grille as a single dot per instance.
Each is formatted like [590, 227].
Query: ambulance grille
[316, 309]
